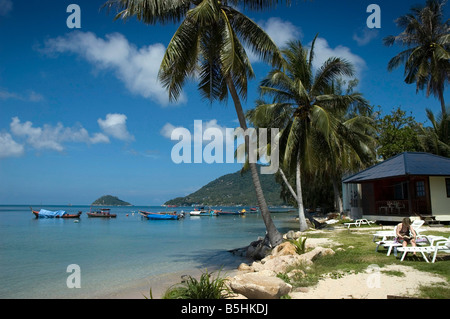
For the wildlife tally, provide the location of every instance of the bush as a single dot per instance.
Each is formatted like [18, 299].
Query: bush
[205, 288]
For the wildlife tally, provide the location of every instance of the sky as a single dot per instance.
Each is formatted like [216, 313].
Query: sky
[82, 114]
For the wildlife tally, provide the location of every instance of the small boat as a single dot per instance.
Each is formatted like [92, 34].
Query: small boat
[160, 216]
[103, 212]
[202, 212]
[43, 213]
[239, 212]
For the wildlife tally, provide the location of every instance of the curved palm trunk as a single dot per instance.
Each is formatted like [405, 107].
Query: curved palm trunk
[275, 237]
[299, 199]
[301, 209]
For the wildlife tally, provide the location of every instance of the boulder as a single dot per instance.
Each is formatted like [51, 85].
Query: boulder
[284, 249]
[257, 286]
[259, 249]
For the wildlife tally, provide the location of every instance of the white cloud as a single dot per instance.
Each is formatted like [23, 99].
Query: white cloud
[115, 125]
[167, 129]
[367, 36]
[5, 7]
[53, 137]
[30, 96]
[9, 147]
[323, 51]
[199, 126]
[281, 33]
[136, 67]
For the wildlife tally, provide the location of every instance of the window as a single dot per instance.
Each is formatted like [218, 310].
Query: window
[447, 186]
[420, 189]
[401, 191]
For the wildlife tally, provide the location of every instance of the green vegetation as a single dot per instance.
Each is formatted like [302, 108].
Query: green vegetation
[427, 56]
[109, 200]
[300, 245]
[207, 287]
[354, 253]
[233, 189]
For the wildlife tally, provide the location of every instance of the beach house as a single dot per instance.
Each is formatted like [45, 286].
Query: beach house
[410, 184]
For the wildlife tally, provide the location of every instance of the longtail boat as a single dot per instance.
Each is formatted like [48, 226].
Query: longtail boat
[103, 212]
[43, 213]
[160, 216]
[239, 212]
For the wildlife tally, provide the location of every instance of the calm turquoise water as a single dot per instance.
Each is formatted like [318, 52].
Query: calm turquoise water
[35, 253]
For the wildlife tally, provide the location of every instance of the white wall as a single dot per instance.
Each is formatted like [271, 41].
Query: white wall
[440, 203]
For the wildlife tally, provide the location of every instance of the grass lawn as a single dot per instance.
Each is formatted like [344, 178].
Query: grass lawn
[356, 251]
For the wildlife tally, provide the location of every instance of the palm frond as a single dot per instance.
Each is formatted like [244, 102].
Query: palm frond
[150, 11]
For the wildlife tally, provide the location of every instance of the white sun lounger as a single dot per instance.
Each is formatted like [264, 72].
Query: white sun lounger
[358, 223]
[437, 244]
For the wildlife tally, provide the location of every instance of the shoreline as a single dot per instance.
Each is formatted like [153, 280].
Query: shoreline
[140, 289]
[348, 287]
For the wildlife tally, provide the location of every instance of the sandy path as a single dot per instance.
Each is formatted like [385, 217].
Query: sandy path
[374, 284]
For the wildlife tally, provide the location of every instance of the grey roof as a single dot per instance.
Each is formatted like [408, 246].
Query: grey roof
[408, 163]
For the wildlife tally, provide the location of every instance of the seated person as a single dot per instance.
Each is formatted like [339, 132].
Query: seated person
[405, 233]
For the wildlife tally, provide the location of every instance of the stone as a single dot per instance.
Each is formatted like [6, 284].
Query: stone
[259, 249]
[284, 249]
[245, 267]
[255, 286]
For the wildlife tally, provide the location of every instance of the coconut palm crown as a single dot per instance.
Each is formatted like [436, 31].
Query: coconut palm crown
[427, 39]
[209, 46]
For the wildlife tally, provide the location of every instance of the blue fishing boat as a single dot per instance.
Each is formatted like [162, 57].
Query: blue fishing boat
[160, 216]
[43, 213]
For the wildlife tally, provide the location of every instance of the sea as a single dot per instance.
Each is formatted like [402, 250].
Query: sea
[37, 256]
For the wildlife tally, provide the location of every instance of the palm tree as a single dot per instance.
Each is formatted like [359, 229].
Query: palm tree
[303, 107]
[436, 139]
[208, 46]
[352, 147]
[427, 39]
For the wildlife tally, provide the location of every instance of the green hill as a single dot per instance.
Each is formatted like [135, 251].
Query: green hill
[232, 189]
[109, 200]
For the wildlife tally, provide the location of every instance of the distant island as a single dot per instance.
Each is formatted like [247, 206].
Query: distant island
[231, 190]
[109, 200]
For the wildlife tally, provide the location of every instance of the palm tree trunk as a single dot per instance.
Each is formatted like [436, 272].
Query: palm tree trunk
[337, 197]
[301, 212]
[301, 209]
[275, 237]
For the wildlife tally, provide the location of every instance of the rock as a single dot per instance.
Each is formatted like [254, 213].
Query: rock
[245, 267]
[290, 235]
[259, 249]
[255, 286]
[284, 249]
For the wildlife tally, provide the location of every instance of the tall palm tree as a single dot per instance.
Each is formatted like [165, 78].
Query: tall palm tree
[352, 147]
[427, 38]
[304, 108]
[436, 139]
[208, 45]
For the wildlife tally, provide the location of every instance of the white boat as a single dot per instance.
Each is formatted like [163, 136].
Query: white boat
[203, 213]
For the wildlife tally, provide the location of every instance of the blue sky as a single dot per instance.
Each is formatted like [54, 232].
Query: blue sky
[81, 113]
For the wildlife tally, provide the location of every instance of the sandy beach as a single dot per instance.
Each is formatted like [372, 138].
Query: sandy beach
[375, 283]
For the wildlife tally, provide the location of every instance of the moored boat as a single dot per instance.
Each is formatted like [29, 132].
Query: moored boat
[239, 212]
[103, 212]
[202, 212]
[160, 216]
[43, 213]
